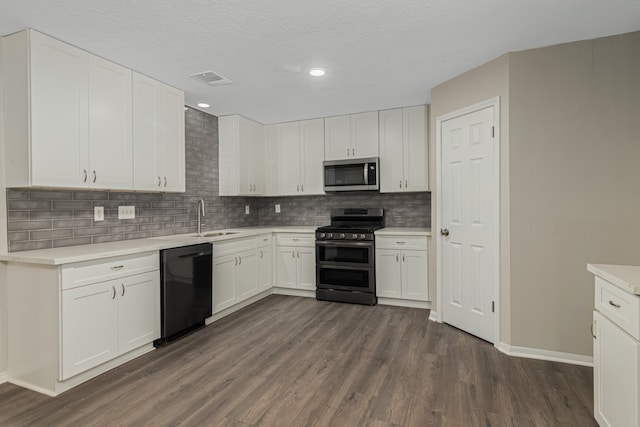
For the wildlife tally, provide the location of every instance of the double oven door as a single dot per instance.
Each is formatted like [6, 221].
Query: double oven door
[345, 266]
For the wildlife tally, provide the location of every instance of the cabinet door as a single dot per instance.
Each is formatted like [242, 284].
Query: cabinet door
[364, 135]
[416, 170]
[110, 125]
[270, 135]
[256, 159]
[337, 138]
[244, 153]
[616, 374]
[388, 273]
[146, 133]
[306, 270]
[391, 151]
[287, 266]
[265, 267]
[89, 327]
[171, 150]
[415, 275]
[311, 156]
[224, 282]
[246, 275]
[288, 158]
[138, 310]
[59, 113]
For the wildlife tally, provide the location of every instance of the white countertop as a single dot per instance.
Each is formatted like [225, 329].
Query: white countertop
[70, 254]
[626, 277]
[404, 231]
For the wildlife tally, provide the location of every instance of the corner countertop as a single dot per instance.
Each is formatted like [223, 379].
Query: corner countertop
[404, 231]
[626, 277]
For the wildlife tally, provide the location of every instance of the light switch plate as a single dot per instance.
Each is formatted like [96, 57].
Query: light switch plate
[247, 210]
[277, 207]
[126, 212]
[98, 213]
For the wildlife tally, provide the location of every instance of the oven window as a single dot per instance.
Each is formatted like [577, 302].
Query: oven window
[350, 254]
[343, 277]
[352, 174]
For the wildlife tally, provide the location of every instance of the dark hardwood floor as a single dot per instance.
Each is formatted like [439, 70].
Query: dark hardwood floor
[289, 361]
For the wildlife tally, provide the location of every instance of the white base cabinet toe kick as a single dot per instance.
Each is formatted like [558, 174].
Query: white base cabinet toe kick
[73, 322]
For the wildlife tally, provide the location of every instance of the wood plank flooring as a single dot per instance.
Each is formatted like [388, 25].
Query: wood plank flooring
[289, 361]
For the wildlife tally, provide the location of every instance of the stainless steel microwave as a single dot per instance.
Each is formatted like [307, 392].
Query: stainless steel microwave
[351, 175]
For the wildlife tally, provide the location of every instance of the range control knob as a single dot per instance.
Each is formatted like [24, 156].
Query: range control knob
[342, 236]
[354, 236]
[330, 235]
[322, 235]
[362, 236]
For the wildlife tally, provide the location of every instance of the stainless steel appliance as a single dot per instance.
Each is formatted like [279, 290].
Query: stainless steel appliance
[345, 256]
[351, 175]
[186, 278]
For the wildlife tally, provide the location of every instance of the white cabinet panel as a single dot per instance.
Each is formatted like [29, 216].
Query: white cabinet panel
[89, 327]
[311, 156]
[288, 158]
[138, 310]
[388, 273]
[241, 157]
[110, 125]
[306, 259]
[265, 267]
[364, 134]
[391, 151]
[247, 275]
[616, 371]
[415, 147]
[224, 279]
[337, 134]
[415, 275]
[402, 267]
[287, 267]
[296, 261]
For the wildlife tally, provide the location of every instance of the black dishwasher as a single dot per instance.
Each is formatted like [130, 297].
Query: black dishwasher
[186, 289]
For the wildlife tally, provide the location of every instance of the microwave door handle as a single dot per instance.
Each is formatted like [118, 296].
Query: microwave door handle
[366, 174]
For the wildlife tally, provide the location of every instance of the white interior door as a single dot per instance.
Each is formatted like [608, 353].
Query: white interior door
[469, 223]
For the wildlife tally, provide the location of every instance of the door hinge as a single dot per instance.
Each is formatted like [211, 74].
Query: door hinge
[493, 306]
[493, 131]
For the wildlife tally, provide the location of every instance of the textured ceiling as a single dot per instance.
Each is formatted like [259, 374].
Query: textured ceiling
[378, 53]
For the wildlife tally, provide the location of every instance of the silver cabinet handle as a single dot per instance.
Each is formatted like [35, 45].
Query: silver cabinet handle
[293, 254]
[236, 260]
[613, 304]
[353, 151]
[261, 254]
[347, 151]
[302, 187]
[298, 254]
[240, 262]
[295, 240]
[95, 176]
[397, 257]
[591, 327]
[165, 181]
[113, 288]
[298, 188]
[84, 175]
[122, 284]
[400, 243]
[402, 257]
[400, 183]
[117, 267]
[406, 183]
[159, 182]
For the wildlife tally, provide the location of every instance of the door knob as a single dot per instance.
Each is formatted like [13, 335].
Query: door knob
[444, 232]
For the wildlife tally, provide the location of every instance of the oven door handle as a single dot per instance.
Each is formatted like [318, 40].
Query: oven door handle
[345, 244]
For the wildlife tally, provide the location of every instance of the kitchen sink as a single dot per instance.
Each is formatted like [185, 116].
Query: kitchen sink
[219, 233]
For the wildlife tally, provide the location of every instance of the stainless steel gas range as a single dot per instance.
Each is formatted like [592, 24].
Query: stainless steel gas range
[345, 256]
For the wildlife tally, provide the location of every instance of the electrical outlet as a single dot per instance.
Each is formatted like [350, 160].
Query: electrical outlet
[98, 213]
[247, 210]
[126, 212]
[277, 207]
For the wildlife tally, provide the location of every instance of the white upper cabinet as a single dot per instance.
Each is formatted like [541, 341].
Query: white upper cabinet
[68, 117]
[241, 156]
[271, 159]
[351, 136]
[403, 150]
[158, 136]
[300, 148]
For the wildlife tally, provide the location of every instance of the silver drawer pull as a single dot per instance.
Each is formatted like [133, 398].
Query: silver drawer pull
[296, 240]
[113, 288]
[611, 303]
[401, 243]
[122, 284]
[117, 267]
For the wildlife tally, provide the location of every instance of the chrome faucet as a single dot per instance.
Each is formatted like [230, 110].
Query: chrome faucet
[200, 214]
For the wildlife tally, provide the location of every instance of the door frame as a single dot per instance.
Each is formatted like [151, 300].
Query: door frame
[495, 103]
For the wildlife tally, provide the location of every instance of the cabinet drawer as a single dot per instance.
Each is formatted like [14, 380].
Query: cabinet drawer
[620, 307]
[265, 240]
[296, 240]
[402, 242]
[233, 246]
[84, 273]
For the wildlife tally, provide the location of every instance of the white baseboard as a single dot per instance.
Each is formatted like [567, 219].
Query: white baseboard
[404, 303]
[294, 292]
[552, 356]
[433, 315]
[3, 377]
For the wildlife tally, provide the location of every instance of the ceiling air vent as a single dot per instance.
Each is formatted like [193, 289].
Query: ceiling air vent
[210, 78]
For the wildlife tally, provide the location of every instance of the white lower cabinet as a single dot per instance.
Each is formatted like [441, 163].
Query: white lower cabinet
[103, 320]
[402, 273]
[75, 321]
[296, 261]
[242, 268]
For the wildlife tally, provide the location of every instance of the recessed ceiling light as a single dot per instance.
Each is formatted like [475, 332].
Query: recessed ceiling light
[317, 72]
[203, 105]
